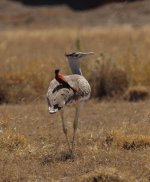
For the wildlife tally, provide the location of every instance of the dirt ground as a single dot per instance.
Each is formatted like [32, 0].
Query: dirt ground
[13, 14]
[112, 143]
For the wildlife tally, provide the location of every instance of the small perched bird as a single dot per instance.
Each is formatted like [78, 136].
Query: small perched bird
[61, 79]
[68, 89]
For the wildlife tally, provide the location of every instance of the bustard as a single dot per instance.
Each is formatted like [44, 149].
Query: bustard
[69, 89]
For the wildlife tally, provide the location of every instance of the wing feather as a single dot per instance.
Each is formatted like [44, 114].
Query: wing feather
[58, 96]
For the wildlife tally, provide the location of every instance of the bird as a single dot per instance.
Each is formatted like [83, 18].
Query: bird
[69, 89]
[61, 79]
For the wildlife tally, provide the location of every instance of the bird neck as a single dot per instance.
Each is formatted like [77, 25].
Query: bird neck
[75, 67]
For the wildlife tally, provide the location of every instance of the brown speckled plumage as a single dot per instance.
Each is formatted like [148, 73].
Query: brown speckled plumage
[68, 89]
[58, 96]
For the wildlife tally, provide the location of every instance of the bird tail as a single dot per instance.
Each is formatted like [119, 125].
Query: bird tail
[52, 110]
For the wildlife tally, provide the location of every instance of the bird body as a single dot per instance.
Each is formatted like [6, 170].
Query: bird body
[64, 90]
[61, 95]
[61, 79]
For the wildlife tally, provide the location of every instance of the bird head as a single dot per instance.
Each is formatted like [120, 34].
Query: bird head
[77, 55]
[57, 71]
[74, 63]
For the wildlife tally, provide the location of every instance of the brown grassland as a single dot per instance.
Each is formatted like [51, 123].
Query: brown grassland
[28, 60]
[113, 138]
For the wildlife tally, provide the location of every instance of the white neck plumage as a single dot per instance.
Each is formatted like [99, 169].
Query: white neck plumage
[75, 66]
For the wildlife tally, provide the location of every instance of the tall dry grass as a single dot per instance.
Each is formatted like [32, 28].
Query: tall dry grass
[28, 60]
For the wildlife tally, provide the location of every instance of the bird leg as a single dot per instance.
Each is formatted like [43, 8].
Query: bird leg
[75, 123]
[64, 128]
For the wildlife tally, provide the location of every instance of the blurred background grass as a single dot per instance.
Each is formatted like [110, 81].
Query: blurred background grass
[28, 60]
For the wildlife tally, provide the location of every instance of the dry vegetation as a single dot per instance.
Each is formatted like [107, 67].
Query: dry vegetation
[113, 139]
[28, 60]
[113, 143]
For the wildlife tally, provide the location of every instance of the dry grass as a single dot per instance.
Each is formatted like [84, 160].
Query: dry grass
[127, 142]
[28, 60]
[113, 137]
[33, 146]
[105, 174]
[136, 93]
[12, 141]
[107, 78]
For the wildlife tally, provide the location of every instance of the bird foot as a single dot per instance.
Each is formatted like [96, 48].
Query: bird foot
[67, 156]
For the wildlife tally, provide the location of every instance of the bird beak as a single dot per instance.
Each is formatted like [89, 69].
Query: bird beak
[90, 53]
[87, 53]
